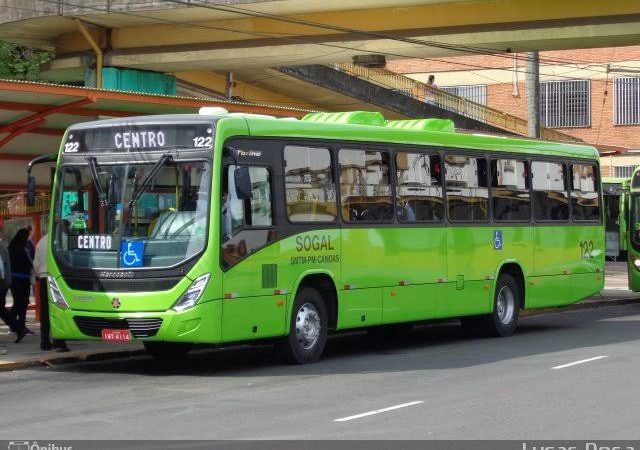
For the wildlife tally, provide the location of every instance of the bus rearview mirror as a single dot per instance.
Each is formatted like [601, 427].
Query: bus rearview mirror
[242, 180]
[31, 191]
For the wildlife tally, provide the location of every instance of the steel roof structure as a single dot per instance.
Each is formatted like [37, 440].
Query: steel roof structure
[33, 117]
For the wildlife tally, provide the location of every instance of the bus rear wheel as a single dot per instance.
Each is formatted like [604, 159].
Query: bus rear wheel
[307, 329]
[503, 320]
[167, 351]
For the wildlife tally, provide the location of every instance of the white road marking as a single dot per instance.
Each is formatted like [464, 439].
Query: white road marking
[378, 411]
[582, 361]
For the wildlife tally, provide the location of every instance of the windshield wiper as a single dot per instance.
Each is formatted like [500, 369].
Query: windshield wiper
[149, 178]
[93, 170]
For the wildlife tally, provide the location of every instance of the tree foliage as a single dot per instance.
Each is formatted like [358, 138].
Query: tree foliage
[21, 63]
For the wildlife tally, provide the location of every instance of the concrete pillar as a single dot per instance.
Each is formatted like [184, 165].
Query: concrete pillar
[532, 87]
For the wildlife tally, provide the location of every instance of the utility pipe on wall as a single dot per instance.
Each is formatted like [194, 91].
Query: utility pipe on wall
[97, 50]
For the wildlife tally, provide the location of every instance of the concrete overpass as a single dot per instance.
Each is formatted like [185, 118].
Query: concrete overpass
[194, 36]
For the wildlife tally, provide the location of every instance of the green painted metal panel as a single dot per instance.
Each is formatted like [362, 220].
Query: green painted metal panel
[132, 80]
[360, 308]
[253, 317]
[409, 303]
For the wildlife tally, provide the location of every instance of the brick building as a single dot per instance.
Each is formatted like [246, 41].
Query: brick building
[593, 94]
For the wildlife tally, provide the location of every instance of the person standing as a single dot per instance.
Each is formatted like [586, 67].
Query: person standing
[40, 269]
[31, 249]
[430, 94]
[21, 266]
[5, 282]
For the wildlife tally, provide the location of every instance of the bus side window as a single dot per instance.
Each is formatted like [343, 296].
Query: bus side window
[467, 188]
[365, 190]
[419, 188]
[240, 213]
[309, 184]
[585, 201]
[247, 223]
[510, 190]
[550, 201]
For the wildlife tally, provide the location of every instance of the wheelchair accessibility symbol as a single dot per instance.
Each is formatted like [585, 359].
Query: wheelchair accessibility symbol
[131, 253]
[497, 239]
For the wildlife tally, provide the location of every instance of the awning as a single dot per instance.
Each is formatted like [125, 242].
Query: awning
[33, 117]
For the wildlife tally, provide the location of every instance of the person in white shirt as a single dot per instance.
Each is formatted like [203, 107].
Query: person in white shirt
[40, 269]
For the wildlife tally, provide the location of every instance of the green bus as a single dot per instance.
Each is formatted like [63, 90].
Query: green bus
[223, 228]
[633, 236]
[615, 193]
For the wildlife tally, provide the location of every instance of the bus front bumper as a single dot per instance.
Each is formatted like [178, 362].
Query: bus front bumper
[200, 324]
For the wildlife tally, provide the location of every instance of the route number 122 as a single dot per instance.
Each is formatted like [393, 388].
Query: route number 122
[586, 249]
[202, 142]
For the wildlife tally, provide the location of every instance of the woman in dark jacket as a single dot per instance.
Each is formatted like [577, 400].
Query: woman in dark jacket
[21, 266]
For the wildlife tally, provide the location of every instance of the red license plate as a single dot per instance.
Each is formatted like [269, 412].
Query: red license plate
[110, 335]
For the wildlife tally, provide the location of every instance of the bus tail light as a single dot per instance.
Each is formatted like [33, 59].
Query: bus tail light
[192, 295]
[56, 294]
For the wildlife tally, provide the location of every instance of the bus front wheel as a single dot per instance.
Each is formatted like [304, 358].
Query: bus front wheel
[167, 351]
[307, 329]
[503, 320]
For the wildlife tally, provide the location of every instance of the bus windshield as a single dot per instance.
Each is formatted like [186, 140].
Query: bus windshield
[131, 215]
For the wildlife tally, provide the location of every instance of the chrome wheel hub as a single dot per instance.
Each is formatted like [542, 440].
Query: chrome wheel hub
[308, 326]
[506, 305]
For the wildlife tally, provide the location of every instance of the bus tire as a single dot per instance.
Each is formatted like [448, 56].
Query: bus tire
[504, 317]
[307, 329]
[167, 351]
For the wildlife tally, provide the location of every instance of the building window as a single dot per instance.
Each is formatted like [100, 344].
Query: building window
[467, 188]
[474, 92]
[419, 188]
[510, 190]
[565, 103]
[623, 171]
[549, 191]
[626, 101]
[308, 177]
[364, 186]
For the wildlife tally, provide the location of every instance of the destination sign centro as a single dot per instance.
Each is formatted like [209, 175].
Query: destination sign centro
[92, 242]
[137, 137]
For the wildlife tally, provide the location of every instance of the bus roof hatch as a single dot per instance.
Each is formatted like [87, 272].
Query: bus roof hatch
[350, 117]
[444, 125]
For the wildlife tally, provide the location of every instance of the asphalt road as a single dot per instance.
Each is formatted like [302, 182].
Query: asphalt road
[436, 383]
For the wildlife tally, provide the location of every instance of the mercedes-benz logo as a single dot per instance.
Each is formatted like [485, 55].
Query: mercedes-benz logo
[115, 303]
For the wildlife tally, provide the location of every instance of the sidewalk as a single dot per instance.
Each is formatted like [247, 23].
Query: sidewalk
[28, 353]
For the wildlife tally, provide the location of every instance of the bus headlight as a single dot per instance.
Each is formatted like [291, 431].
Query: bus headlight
[56, 295]
[636, 262]
[192, 295]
